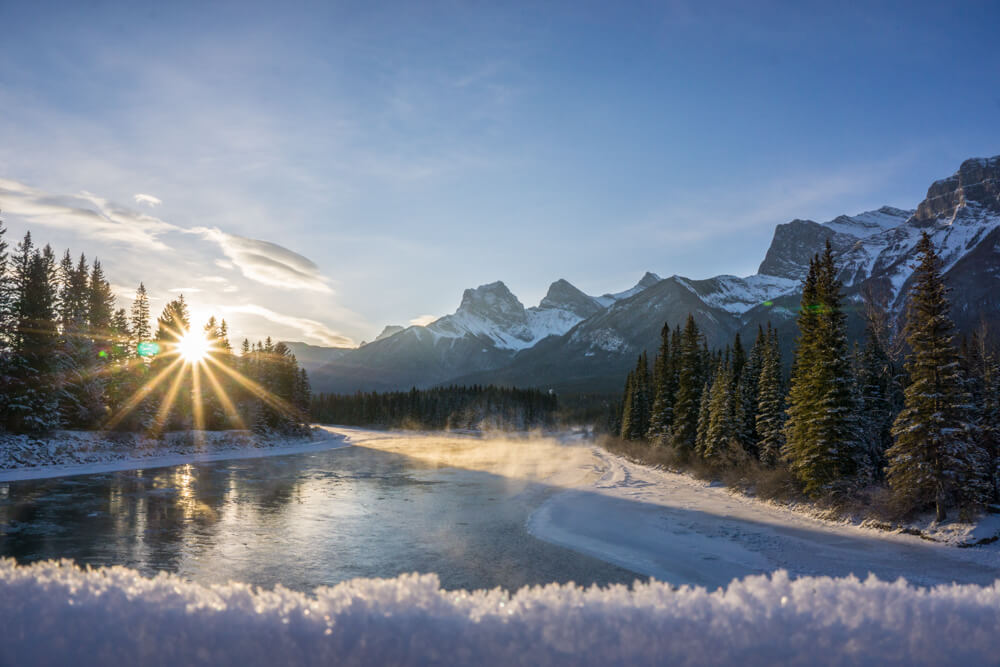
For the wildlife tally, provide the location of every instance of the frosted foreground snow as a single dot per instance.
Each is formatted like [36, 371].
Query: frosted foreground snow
[56, 613]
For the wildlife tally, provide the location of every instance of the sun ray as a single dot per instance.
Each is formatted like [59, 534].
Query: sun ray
[197, 408]
[260, 392]
[168, 403]
[220, 393]
[141, 393]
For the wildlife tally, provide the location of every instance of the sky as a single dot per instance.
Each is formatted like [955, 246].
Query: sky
[317, 171]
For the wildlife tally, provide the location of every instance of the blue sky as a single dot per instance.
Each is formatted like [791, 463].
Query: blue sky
[318, 171]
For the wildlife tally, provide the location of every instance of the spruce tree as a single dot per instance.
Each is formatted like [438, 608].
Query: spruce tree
[747, 398]
[665, 389]
[770, 402]
[824, 444]
[32, 404]
[690, 381]
[934, 459]
[720, 432]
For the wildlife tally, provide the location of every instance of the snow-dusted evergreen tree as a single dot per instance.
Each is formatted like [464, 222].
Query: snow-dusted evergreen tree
[139, 316]
[824, 442]
[770, 402]
[34, 389]
[665, 387]
[720, 442]
[7, 294]
[704, 418]
[746, 397]
[690, 381]
[637, 402]
[934, 460]
[83, 401]
[875, 377]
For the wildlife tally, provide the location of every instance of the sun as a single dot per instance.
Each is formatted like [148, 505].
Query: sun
[192, 347]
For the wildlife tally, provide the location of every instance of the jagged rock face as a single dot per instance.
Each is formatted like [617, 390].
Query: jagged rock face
[493, 301]
[563, 296]
[977, 180]
[795, 243]
[389, 330]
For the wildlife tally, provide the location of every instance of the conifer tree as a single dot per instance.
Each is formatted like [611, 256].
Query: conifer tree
[139, 316]
[823, 437]
[720, 432]
[746, 397]
[690, 381]
[32, 402]
[637, 403]
[934, 459]
[665, 384]
[704, 418]
[770, 402]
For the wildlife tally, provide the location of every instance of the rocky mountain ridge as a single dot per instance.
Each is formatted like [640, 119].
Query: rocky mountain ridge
[573, 341]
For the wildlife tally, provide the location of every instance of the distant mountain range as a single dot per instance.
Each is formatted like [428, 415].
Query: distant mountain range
[572, 341]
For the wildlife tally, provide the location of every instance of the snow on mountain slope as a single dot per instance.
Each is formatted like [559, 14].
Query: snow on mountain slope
[494, 313]
[738, 295]
[648, 280]
[958, 213]
[870, 222]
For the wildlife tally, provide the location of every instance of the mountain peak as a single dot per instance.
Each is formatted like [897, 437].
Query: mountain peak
[389, 330]
[648, 279]
[562, 295]
[977, 181]
[490, 300]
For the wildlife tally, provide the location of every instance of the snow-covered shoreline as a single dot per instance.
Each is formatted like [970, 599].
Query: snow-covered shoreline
[69, 453]
[675, 528]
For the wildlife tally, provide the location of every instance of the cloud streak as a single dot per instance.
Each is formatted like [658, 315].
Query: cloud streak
[317, 331]
[266, 262]
[148, 200]
[84, 213]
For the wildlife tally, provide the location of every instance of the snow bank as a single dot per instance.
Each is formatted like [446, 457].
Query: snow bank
[56, 613]
[81, 452]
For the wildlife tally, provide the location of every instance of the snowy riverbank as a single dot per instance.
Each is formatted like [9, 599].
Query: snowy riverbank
[56, 613]
[65, 453]
[678, 529]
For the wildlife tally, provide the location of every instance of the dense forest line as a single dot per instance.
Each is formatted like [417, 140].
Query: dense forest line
[909, 410]
[70, 358]
[441, 408]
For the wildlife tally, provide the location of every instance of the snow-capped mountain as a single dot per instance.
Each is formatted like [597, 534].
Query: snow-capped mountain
[573, 341]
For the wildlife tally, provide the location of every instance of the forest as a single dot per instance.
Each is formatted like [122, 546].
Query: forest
[440, 408]
[70, 358]
[912, 410]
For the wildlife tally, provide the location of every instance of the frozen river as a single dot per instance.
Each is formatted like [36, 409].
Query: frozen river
[301, 520]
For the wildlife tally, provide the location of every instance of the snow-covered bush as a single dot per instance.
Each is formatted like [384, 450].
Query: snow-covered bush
[56, 613]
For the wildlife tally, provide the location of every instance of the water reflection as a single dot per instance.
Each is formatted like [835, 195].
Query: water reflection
[300, 520]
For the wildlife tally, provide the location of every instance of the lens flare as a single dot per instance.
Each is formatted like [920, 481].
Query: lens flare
[192, 347]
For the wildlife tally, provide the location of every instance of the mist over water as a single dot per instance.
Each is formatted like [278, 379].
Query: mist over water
[392, 504]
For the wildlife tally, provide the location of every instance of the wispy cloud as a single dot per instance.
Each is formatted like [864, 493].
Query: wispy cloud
[423, 320]
[148, 200]
[311, 329]
[85, 213]
[267, 262]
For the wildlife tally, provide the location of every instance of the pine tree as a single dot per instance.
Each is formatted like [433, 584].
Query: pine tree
[665, 389]
[824, 445]
[636, 403]
[32, 401]
[704, 418]
[746, 397]
[690, 381]
[770, 402]
[934, 459]
[720, 433]
[139, 316]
